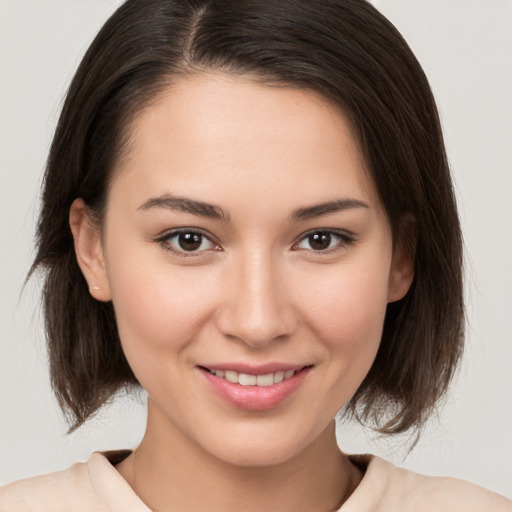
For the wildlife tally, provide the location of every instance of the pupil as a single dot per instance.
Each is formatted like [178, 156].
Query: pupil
[320, 241]
[189, 241]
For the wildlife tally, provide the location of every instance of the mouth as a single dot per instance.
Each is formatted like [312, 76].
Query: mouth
[255, 389]
[246, 379]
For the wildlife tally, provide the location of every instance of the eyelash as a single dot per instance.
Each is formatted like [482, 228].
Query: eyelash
[165, 242]
[344, 240]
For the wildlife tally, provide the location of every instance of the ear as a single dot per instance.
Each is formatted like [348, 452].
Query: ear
[89, 251]
[402, 263]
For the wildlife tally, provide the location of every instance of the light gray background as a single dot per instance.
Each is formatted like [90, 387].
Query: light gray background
[465, 47]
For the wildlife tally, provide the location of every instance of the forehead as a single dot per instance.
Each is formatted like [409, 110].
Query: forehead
[213, 132]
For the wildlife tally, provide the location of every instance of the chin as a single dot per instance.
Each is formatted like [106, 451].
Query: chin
[266, 449]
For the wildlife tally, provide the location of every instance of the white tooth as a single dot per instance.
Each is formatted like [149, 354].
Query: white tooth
[231, 376]
[219, 373]
[289, 374]
[265, 380]
[278, 377]
[247, 380]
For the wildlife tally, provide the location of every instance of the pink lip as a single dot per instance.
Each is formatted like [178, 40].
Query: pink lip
[255, 398]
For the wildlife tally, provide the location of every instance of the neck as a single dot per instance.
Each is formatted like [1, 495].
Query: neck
[169, 471]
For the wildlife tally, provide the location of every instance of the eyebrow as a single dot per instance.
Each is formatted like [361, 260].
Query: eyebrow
[211, 211]
[186, 205]
[317, 210]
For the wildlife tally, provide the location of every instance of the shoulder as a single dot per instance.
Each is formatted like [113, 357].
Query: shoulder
[444, 494]
[397, 489]
[72, 490]
[68, 490]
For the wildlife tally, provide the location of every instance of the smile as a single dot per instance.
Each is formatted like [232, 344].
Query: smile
[245, 379]
[255, 389]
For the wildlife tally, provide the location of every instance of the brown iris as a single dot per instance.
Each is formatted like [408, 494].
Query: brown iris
[190, 241]
[320, 241]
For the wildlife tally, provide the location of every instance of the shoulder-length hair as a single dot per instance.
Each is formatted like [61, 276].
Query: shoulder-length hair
[346, 51]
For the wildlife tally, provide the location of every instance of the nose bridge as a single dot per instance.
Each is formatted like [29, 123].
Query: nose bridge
[257, 309]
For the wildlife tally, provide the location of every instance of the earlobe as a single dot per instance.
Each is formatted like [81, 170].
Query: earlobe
[89, 251]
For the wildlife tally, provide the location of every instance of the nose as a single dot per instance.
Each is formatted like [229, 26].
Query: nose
[256, 309]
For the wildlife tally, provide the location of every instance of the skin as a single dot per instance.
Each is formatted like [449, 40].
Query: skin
[255, 292]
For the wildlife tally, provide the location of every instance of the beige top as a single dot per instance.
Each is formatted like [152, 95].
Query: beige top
[97, 486]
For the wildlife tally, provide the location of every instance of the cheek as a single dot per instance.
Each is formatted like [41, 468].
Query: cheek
[350, 305]
[158, 307]
[346, 312]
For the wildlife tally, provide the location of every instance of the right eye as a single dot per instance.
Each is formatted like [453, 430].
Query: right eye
[187, 242]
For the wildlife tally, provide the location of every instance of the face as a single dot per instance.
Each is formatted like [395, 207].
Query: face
[249, 262]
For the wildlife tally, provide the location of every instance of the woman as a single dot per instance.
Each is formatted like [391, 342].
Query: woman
[229, 222]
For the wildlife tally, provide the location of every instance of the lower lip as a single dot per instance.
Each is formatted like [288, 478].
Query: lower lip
[255, 398]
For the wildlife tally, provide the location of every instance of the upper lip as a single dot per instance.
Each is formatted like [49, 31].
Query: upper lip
[252, 369]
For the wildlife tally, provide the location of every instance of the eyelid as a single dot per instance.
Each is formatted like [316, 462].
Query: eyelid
[164, 238]
[347, 239]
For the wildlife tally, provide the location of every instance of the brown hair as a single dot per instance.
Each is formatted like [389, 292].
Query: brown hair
[343, 49]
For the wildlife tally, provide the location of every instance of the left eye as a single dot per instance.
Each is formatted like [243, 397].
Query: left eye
[323, 240]
[187, 242]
